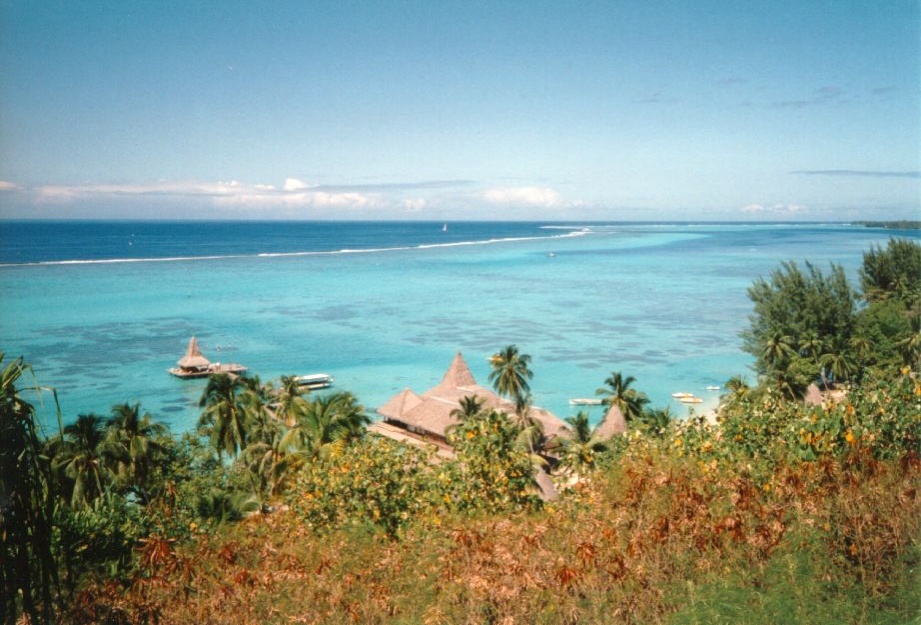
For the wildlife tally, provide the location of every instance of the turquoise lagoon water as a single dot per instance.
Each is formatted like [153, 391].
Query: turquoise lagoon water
[664, 303]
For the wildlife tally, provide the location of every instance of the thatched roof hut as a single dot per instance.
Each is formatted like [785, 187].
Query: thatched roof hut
[813, 395]
[193, 358]
[429, 414]
[613, 423]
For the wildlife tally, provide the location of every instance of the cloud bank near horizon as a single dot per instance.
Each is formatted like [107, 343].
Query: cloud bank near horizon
[442, 199]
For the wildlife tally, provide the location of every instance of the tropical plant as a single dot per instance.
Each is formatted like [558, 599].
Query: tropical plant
[656, 420]
[617, 392]
[28, 568]
[468, 406]
[510, 374]
[224, 417]
[797, 310]
[289, 400]
[892, 272]
[492, 472]
[910, 346]
[579, 450]
[81, 458]
[332, 418]
[135, 442]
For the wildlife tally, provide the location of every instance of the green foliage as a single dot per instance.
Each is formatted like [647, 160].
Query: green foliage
[794, 312]
[617, 391]
[28, 569]
[510, 374]
[372, 481]
[492, 472]
[893, 272]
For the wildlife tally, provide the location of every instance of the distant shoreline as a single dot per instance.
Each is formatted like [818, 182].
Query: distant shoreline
[891, 225]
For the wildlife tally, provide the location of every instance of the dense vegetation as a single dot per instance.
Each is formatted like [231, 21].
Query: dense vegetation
[282, 509]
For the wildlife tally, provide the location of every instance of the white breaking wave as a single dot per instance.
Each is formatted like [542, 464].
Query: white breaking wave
[370, 250]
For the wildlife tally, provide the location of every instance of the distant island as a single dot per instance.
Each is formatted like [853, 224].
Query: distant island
[892, 225]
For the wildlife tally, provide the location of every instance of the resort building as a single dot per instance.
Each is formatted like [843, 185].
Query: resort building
[428, 416]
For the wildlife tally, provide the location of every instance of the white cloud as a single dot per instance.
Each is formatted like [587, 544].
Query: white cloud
[230, 193]
[544, 197]
[415, 205]
[293, 184]
[774, 209]
[8, 186]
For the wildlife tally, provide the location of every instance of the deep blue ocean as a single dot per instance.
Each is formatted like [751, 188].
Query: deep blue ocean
[102, 309]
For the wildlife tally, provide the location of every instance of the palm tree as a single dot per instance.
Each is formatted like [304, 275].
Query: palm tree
[79, 457]
[838, 361]
[777, 349]
[289, 400]
[224, 417]
[910, 346]
[333, 418]
[468, 406]
[737, 386]
[510, 373]
[133, 440]
[579, 450]
[617, 392]
[657, 420]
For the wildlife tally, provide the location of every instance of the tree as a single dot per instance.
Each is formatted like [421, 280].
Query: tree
[28, 569]
[617, 392]
[333, 418]
[893, 272]
[579, 450]
[510, 374]
[656, 420]
[289, 400]
[468, 406]
[135, 442]
[79, 455]
[910, 346]
[794, 312]
[224, 417]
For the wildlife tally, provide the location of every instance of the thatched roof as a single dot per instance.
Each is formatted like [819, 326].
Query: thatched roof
[400, 403]
[430, 413]
[193, 358]
[813, 395]
[457, 376]
[613, 423]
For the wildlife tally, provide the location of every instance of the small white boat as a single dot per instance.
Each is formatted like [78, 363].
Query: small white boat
[681, 395]
[314, 381]
[713, 387]
[584, 401]
[444, 228]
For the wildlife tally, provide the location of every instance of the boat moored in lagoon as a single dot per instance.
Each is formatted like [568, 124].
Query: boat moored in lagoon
[314, 381]
[585, 401]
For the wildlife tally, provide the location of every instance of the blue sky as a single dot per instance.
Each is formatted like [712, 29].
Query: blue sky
[615, 110]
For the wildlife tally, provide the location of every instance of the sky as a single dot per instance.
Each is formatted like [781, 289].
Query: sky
[450, 110]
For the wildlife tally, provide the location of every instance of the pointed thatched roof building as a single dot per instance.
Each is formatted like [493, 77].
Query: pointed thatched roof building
[813, 395]
[613, 423]
[429, 414]
[193, 358]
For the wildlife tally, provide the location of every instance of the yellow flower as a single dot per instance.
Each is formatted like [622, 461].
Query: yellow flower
[850, 438]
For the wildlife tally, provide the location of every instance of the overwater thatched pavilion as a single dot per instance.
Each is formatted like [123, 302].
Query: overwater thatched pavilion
[194, 364]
